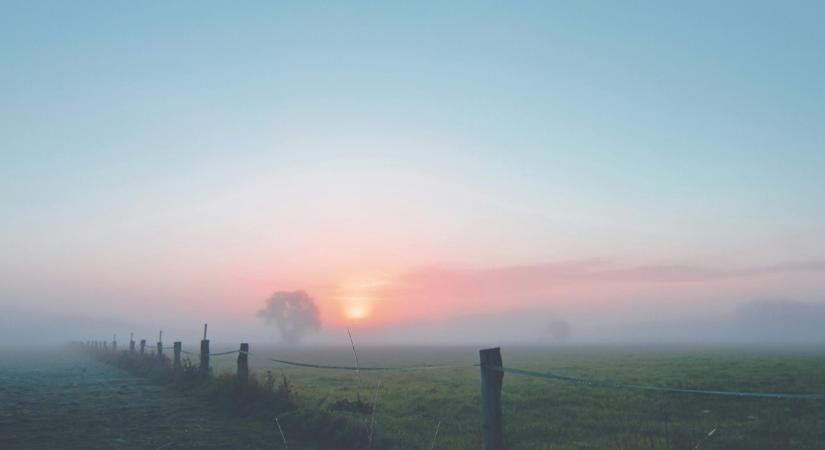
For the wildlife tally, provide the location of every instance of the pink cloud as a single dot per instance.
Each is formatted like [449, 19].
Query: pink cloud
[440, 291]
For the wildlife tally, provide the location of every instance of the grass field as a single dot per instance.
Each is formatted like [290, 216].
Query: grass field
[56, 400]
[68, 400]
[544, 414]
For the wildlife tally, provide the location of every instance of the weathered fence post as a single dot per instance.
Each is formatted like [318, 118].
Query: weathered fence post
[492, 377]
[131, 342]
[142, 347]
[243, 364]
[204, 367]
[160, 346]
[177, 348]
[114, 342]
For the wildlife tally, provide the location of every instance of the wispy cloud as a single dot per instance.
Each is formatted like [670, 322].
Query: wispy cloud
[591, 271]
[455, 290]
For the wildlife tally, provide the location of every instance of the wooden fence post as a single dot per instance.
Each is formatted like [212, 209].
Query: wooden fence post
[114, 343]
[243, 364]
[160, 346]
[131, 342]
[142, 347]
[204, 366]
[177, 349]
[492, 377]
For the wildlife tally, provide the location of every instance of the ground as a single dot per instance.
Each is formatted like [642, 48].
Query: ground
[60, 400]
[66, 400]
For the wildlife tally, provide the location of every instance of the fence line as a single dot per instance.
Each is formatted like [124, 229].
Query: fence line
[492, 373]
[511, 370]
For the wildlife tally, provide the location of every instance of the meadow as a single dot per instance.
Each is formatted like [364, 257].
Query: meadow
[62, 399]
[441, 408]
[53, 399]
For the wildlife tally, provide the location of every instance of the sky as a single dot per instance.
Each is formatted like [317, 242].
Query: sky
[424, 171]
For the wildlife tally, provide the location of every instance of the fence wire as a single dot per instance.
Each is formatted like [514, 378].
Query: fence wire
[365, 369]
[210, 354]
[649, 387]
[224, 353]
[531, 373]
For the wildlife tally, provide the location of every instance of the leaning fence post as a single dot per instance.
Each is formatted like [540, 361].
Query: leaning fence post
[142, 347]
[204, 367]
[177, 349]
[243, 363]
[491, 382]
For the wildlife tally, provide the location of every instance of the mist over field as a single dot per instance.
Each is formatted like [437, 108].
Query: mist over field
[755, 322]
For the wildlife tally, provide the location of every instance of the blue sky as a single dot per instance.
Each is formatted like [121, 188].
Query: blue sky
[475, 134]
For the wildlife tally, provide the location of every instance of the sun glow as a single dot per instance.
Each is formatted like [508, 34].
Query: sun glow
[357, 297]
[357, 312]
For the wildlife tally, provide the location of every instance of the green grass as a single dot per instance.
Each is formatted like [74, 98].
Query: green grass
[257, 401]
[544, 414]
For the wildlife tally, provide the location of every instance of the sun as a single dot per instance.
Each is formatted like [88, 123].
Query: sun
[358, 297]
[356, 312]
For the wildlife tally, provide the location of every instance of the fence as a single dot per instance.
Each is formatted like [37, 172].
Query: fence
[490, 364]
